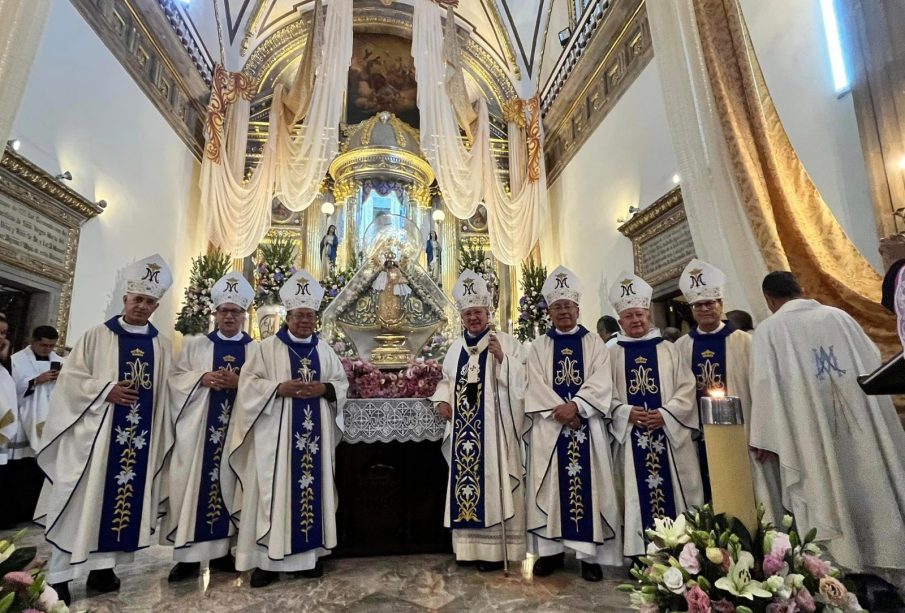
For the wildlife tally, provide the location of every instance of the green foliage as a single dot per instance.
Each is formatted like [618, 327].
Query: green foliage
[197, 307]
[274, 268]
[534, 318]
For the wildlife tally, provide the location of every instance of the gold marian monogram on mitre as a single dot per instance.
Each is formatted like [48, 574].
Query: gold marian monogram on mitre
[642, 379]
[306, 373]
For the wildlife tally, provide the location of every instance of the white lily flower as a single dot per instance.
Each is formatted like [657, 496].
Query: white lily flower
[739, 582]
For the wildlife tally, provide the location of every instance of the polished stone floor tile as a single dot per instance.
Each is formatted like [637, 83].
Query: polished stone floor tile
[396, 584]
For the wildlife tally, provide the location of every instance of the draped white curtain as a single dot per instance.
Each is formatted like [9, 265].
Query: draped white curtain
[237, 213]
[715, 209]
[21, 25]
[468, 177]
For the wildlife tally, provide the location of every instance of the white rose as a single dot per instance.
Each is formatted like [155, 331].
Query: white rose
[674, 581]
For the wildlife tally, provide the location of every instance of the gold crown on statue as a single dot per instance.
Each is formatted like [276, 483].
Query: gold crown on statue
[389, 256]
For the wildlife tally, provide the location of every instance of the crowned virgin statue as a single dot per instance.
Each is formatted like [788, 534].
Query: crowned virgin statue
[393, 289]
[329, 243]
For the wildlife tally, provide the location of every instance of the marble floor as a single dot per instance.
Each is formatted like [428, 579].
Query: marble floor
[395, 584]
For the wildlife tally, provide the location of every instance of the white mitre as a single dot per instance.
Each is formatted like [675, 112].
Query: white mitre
[701, 281]
[149, 277]
[302, 291]
[471, 290]
[630, 292]
[232, 287]
[562, 284]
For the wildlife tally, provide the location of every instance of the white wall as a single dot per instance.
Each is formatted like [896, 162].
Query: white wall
[82, 112]
[626, 161]
[790, 43]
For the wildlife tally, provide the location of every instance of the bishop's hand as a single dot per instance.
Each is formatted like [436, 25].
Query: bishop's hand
[566, 413]
[444, 410]
[495, 348]
[290, 389]
[212, 380]
[123, 394]
[229, 379]
[638, 416]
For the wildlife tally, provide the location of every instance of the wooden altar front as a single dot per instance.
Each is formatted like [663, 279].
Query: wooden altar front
[391, 478]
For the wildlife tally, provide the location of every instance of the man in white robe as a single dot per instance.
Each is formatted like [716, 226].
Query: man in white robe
[573, 500]
[202, 387]
[9, 404]
[35, 370]
[717, 354]
[481, 395]
[281, 445]
[840, 452]
[654, 418]
[105, 440]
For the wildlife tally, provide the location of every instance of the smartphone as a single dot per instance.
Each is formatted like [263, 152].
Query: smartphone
[55, 366]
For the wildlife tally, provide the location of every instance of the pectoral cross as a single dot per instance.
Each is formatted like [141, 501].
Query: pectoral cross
[306, 374]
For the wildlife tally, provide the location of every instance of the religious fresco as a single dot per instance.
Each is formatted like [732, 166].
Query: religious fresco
[382, 78]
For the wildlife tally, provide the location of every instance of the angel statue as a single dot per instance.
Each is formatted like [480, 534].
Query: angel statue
[393, 288]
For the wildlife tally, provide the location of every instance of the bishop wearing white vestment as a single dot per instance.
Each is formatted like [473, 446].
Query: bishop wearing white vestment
[482, 397]
[717, 354]
[573, 502]
[202, 387]
[654, 418]
[105, 440]
[841, 453]
[281, 444]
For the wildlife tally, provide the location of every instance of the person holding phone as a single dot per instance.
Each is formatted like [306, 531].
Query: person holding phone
[35, 370]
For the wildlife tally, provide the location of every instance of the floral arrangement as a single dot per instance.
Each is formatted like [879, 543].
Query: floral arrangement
[335, 282]
[273, 269]
[419, 380]
[702, 563]
[194, 318]
[24, 587]
[534, 318]
[436, 346]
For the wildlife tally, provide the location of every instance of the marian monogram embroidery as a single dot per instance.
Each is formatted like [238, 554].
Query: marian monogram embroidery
[654, 444]
[308, 444]
[573, 452]
[642, 380]
[217, 436]
[569, 372]
[827, 364]
[709, 376]
[139, 375]
[131, 442]
[467, 452]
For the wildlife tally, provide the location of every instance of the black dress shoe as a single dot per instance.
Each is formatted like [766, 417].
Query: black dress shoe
[465, 562]
[226, 564]
[62, 590]
[183, 570]
[545, 565]
[487, 567]
[262, 578]
[314, 573]
[103, 581]
[591, 572]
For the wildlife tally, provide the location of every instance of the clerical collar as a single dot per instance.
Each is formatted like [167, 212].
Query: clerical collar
[132, 329]
[296, 339]
[719, 329]
[652, 334]
[237, 337]
[471, 339]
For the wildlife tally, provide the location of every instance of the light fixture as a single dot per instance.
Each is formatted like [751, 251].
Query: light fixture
[327, 208]
[902, 163]
[102, 204]
[13, 144]
[632, 209]
[64, 176]
[438, 216]
[564, 36]
[676, 179]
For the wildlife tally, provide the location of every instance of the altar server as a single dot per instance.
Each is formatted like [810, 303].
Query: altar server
[717, 354]
[572, 496]
[482, 396]
[654, 417]
[202, 386]
[281, 444]
[35, 370]
[840, 451]
[105, 439]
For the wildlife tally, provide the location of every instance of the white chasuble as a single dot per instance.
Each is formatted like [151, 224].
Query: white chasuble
[33, 402]
[732, 378]
[656, 378]
[841, 453]
[197, 521]
[572, 496]
[278, 484]
[9, 409]
[101, 500]
[483, 448]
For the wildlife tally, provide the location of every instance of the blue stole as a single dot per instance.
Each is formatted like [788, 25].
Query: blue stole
[650, 448]
[708, 363]
[305, 427]
[211, 523]
[573, 447]
[466, 479]
[129, 447]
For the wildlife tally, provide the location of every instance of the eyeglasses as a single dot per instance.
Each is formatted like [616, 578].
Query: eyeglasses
[707, 305]
[233, 312]
[563, 308]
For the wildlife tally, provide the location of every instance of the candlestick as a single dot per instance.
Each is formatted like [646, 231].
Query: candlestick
[727, 458]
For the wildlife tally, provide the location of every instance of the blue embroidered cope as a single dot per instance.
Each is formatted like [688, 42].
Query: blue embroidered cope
[650, 447]
[130, 443]
[305, 426]
[573, 447]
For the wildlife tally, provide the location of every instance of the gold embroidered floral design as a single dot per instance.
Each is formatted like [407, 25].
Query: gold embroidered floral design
[217, 436]
[131, 442]
[653, 442]
[467, 452]
[573, 452]
[309, 444]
